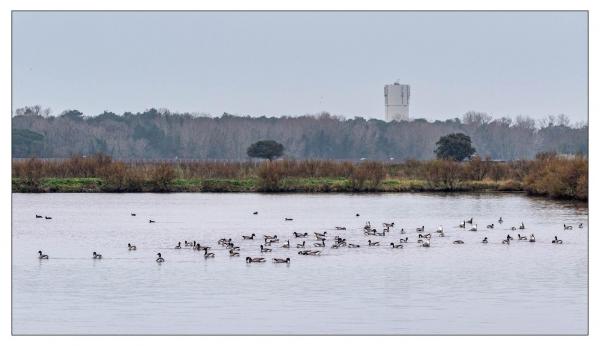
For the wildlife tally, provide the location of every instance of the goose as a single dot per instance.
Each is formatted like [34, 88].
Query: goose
[340, 228]
[286, 245]
[233, 247]
[281, 260]
[463, 224]
[159, 259]
[38, 216]
[532, 238]
[132, 214]
[399, 246]
[441, 234]
[402, 231]
[513, 228]
[255, 213]
[324, 234]
[357, 214]
[388, 225]
[300, 235]
[208, 254]
[249, 237]
[522, 226]
[485, 241]
[178, 246]
[320, 238]
[301, 246]
[426, 244]
[322, 244]
[380, 234]
[335, 246]
[440, 229]
[506, 241]
[458, 242]
[490, 226]
[370, 232]
[289, 219]
[271, 241]
[508, 237]
[373, 243]
[151, 221]
[420, 241]
[404, 240]
[470, 221]
[254, 260]
[131, 247]
[565, 227]
[309, 252]
[96, 255]
[233, 253]
[263, 249]
[266, 236]
[42, 256]
[556, 240]
[522, 237]
[352, 246]
[580, 225]
[473, 228]
[500, 220]
[48, 218]
[421, 229]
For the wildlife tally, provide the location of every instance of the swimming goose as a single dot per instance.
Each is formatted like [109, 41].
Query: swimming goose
[286, 245]
[300, 235]
[352, 246]
[340, 228]
[556, 240]
[522, 226]
[458, 242]
[324, 234]
[289, 219]
[321, 244]
[490, 226]
[38, 216]
[178, 246]
[500, 220]
[263, 249]
[532, 238]
[580, 225]
[151, 221]
[470, 221]
[521, 237]
[565, 227]
[301, 246]
[270, 237]
[255, 213]
[357, 214]
[399, 246]
[473, 228]
[249, 237]
[159, 259]
[463, 224]
[233, 253]
[441, 234]
[402, 231]
[404, 240]
[506, 241]
[281, 260]
[380, 234]
[513, 228]
[388, 225]
[421, 229]
[132, 214]
[440, 229]
[309, 252]
[485, 241]
[48, 218]
[96, 255]
[508, 237]
[335, 246]
[42, 256]
[254, 260]
[426, 244]
[131, 247]
[374, 243]
[208, 254]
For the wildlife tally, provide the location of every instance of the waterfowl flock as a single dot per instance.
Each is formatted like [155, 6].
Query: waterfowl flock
[323, 240]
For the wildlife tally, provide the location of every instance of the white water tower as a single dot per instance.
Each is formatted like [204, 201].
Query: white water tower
[397, 97]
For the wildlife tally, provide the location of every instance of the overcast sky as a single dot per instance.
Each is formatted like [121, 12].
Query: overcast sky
[282, 63]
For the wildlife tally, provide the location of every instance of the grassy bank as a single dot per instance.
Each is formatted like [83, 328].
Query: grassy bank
[254, 185]
[548, 175]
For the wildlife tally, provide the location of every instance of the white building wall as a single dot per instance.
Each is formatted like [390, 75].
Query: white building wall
[397, 99]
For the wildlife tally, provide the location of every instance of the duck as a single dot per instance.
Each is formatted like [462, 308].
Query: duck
[521, 237]
[255, 213]
[289, 219]
[399, 246]
[264, 249]
[178, 246]
[532, 238]
[48, 218]
[159, 259]
[500, 220]
[565, 227]
[248, 237]
[233, 253]
[208, 254]
[473, 228]
[38, 216]
[373, 243]
[340, 228]
[151, 221]
[254, 260]
[96, 255]
[522, 226]
[490, 226]
[458, 242]
[131, 247]
[300, 235]
[353, 246]
[556, 240]
[286, 245]
[321, 244]
[484, 241]
[132, 214]
[42, 256]
[301, 246]
[281, 260]
[324, 234]
[421, 229]
[580, 225]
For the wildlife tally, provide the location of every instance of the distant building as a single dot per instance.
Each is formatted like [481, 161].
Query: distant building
[397, 97]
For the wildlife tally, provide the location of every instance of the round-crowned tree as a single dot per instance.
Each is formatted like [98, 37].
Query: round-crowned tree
[455, 146]
[267, 149]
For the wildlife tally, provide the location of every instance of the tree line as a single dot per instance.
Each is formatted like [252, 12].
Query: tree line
[161, 134]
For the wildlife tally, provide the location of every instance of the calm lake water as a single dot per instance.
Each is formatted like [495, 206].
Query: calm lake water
[474, 288]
